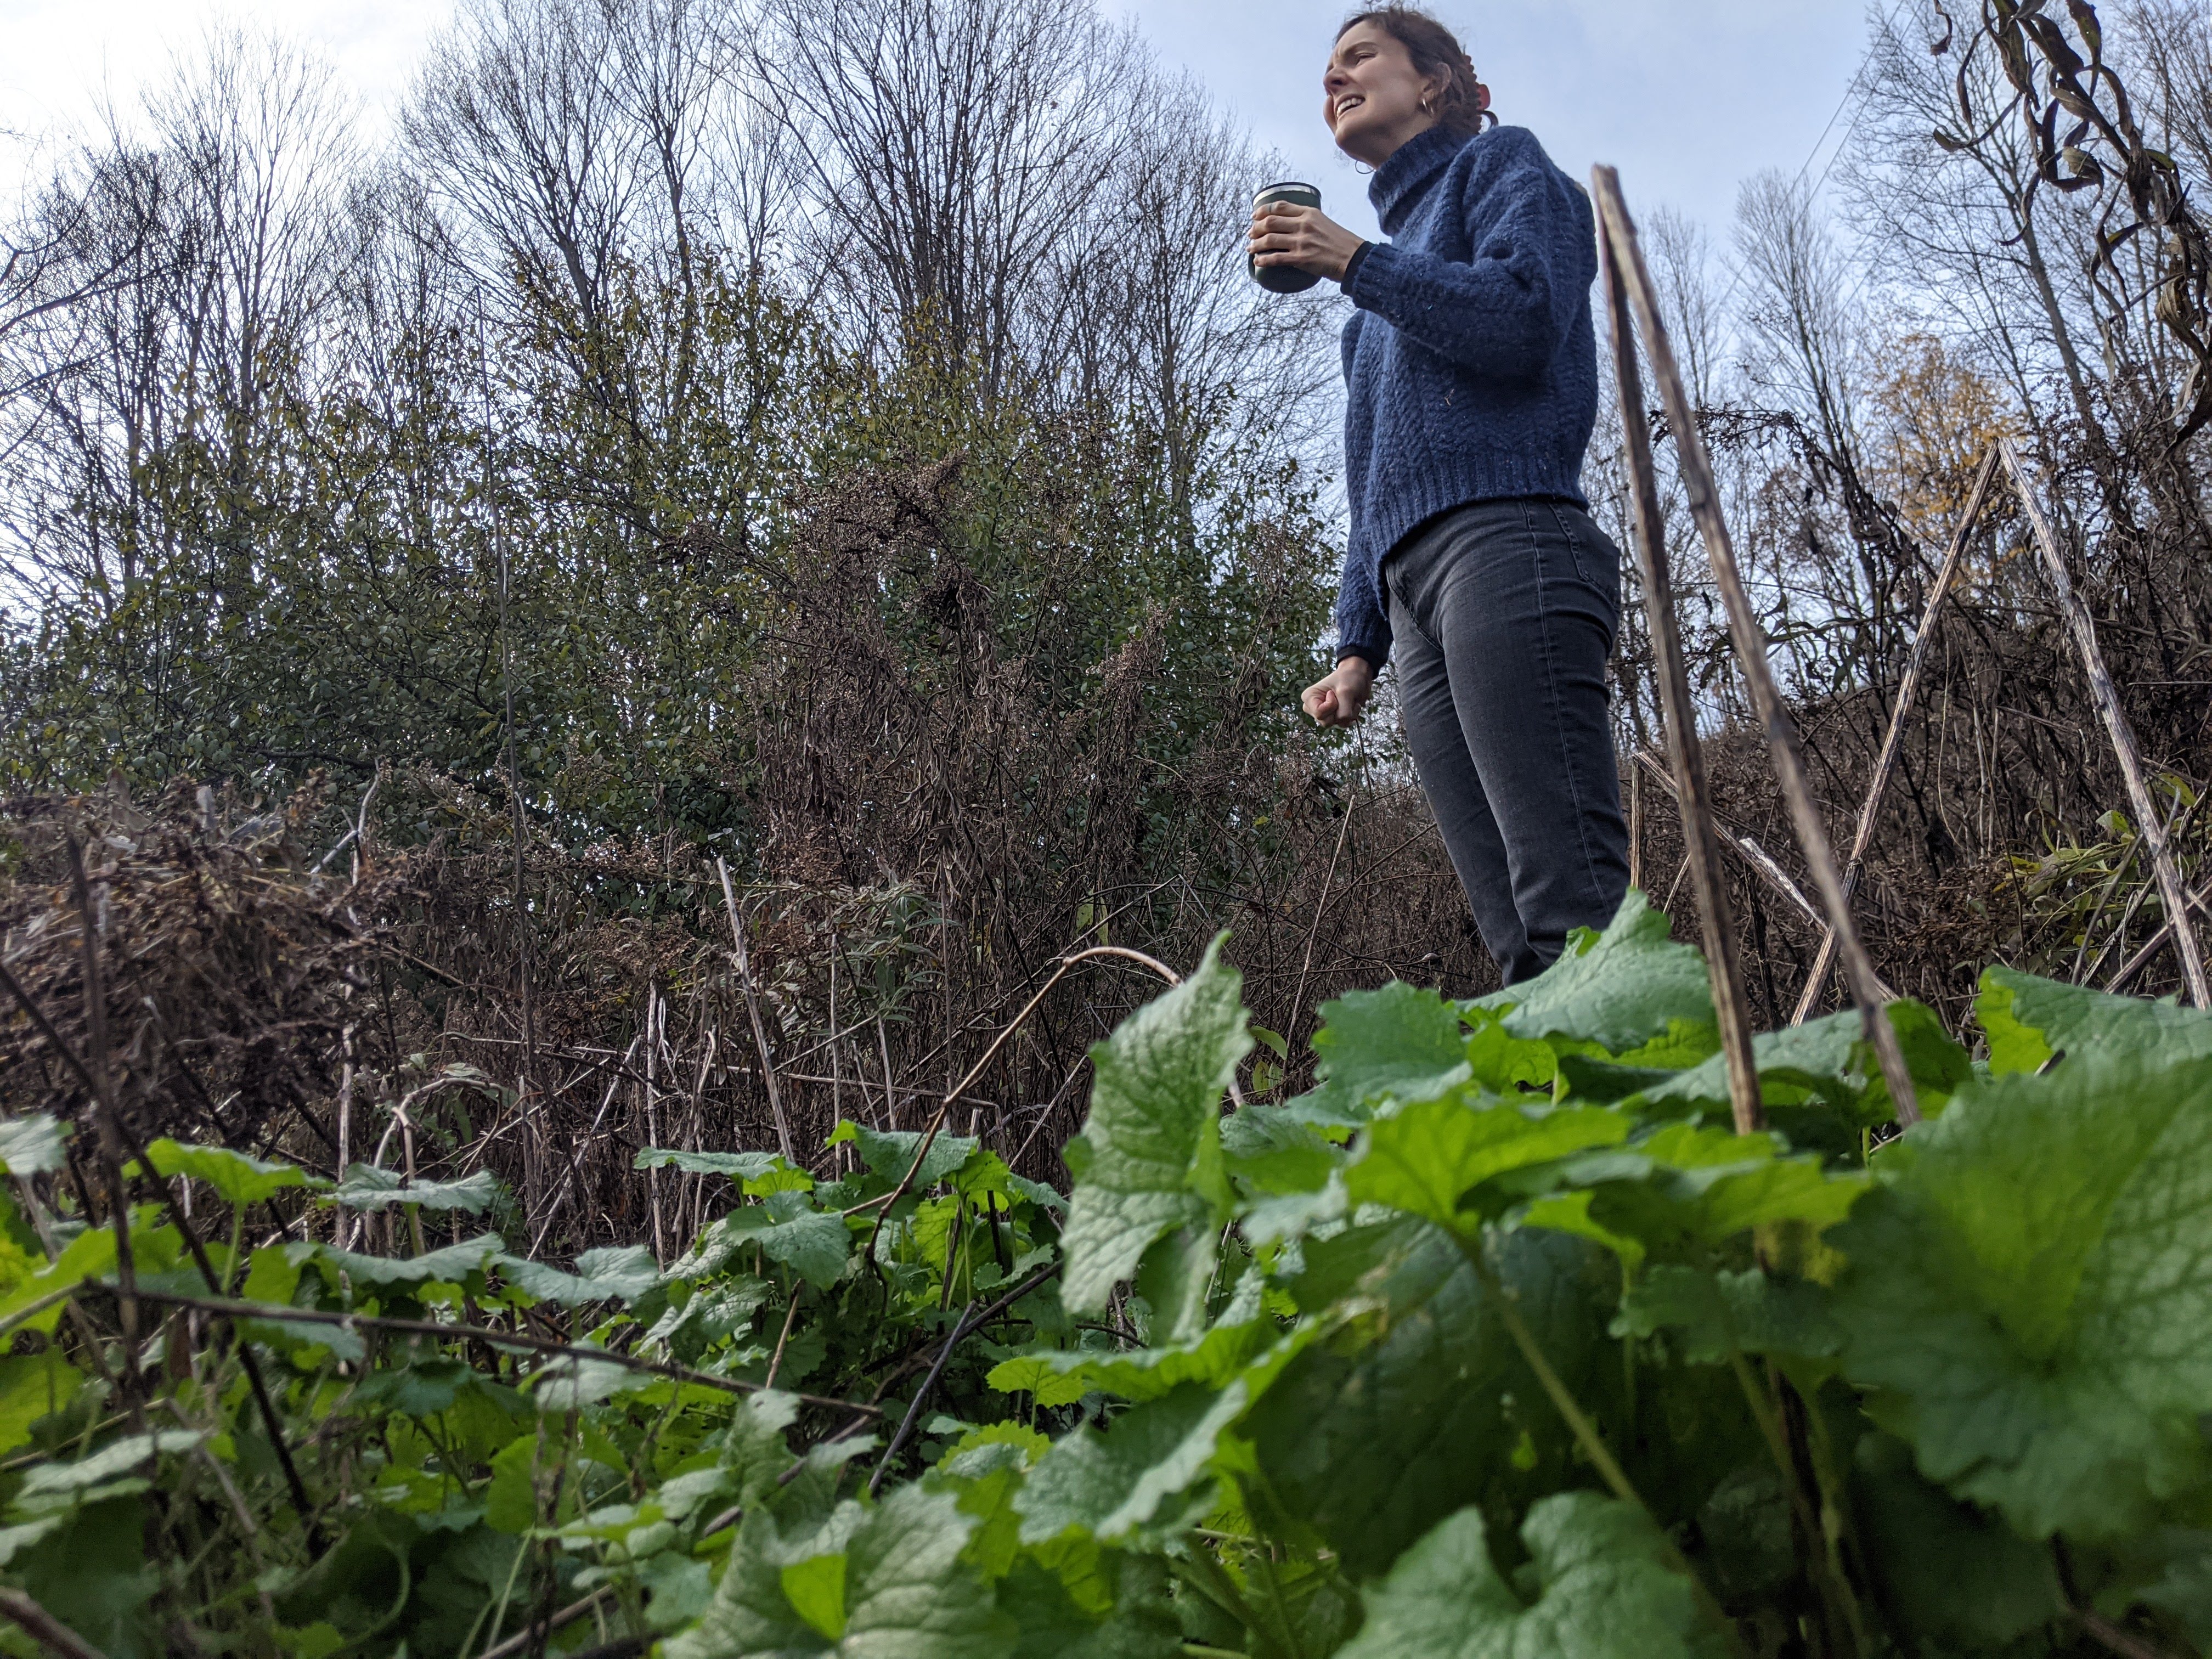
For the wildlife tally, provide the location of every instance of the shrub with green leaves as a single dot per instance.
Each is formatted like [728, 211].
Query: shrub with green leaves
[1500, 1341]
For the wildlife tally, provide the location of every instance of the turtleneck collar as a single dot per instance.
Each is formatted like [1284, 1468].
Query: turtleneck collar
[1397, 183]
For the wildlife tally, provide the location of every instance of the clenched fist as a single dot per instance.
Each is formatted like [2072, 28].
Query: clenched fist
[1337, 700]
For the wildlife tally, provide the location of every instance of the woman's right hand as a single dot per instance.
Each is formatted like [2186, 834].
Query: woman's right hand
[1338, 699]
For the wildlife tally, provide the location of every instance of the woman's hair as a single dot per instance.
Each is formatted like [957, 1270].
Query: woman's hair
[1433, 47]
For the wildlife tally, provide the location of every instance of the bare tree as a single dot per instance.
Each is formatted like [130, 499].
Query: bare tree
[518, 126]
[941, 145]
[202, 244]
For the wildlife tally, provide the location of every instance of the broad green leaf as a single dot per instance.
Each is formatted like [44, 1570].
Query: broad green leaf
[568, 1383]
[238, 1178]
[1376, 1433]
[1110, 1483]
[91, 1572]
[1037, 1193]
[1137, 1622]
[1060, 1376]
[1604, 1590]
[272, 1273]
[2169, 1569]
[812, 1244]
[739, 1166]
[1714, 1313]
[1618, 990]
[758, 1173]
[889, 1154]
[1396, 1044]
[2028, 1289]
[1425, 1158]
[1824, 1061]
[906, 1593]
[369, 1188]
[621, 1274]
[1685, 1187]
[510, 1497]
[90, 1254]
[449, 1265]
[113, 1462]
[816, 1589]
[1957, 1574]
[753, 1446]
[33, 1386]
[2029, 1018]
[1271, 1149]
[1150, 1153]
[712, 1313]
[36, 1144]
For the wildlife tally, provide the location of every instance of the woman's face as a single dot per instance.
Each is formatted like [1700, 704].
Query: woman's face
[1371, 96]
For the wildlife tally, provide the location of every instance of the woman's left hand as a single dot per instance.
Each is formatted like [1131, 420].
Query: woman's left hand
[1287, 234]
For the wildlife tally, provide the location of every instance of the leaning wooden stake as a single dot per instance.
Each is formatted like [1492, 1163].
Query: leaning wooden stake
[1893, 741]
[2108, 699]
[1751, 645]
[1700, 837]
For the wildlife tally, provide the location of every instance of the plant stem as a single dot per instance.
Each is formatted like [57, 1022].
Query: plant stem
[1834, 1590]
[43, 1627]
[1584, 1430]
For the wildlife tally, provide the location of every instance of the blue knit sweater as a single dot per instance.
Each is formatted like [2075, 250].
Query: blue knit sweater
[1470, 366]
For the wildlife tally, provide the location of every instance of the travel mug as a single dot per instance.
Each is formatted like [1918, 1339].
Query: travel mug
[1284, 279]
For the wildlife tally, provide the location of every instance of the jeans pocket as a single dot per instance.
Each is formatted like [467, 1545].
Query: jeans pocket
[1596, 559]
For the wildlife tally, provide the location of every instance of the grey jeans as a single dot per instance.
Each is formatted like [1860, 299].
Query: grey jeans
[1503, 615]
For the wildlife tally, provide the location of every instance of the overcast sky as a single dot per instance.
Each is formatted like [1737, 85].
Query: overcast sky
[1685, 97]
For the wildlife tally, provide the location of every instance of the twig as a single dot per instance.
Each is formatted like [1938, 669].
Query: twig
[783, 1337]
[2108, 699]
[297, 1487]
[752, 1007]
[960, 1328]
[1750, 642]
[1893, 741]
[2151, 946]
[575, 1174]
[1701, 855]
[47, 1631]
[652, 1045]
[1321, 904]
[1761, 861]
[458, 1332]
[104, 1109]
[937, 1120]
[529, 1634]
[2117, 1639]
[1045, 1112]
[984, 1318]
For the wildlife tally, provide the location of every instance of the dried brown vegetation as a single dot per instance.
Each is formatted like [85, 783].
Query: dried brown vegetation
[575, 544]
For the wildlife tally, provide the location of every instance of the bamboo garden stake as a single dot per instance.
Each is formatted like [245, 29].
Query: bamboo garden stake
[2171, 892]
[1627, 264]
[1722, 959]
[1892, 740]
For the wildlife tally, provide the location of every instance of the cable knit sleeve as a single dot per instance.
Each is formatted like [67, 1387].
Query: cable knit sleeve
[1363, 627]
[1506, 310]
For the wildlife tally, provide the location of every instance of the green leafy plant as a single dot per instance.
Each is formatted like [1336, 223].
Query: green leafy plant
[1499, 1341]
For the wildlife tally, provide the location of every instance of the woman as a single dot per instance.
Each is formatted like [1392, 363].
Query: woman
[1471, 372]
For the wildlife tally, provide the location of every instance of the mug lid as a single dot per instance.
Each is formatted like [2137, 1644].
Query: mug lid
[1286, 184]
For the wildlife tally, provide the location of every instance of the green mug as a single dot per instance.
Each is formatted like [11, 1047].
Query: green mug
[1284, 279]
